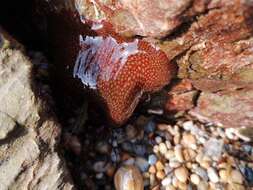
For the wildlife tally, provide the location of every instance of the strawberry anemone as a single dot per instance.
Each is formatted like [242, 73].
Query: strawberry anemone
[121, 70]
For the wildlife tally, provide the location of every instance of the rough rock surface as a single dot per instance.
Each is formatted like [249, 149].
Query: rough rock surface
[142, 17]
[28, 129]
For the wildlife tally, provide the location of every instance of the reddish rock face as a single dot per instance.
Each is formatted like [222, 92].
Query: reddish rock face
[121, 72]
[142, 17]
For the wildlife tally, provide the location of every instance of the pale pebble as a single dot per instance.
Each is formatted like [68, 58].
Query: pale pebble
[178, 153]
[181, 174]
[195, 179]
[212, 174]
[152, 159]
[166, 181]
[236, 177]
[162, 148]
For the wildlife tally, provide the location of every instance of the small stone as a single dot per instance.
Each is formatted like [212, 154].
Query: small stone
[236, 177]
[202, 173]
[168, 144]
[100, 166]
[129, 161]
[174, 164]
[176, 139]
[159, 165]
[142, 164]
[192, 154]
[188, 140]
[202, 185]
[160, 175]
[162, 127]
[152, 170]
[169, 154]
[150, 127]
[230, 133]
[158, 140]
[131, 131]
[128, 178]
[178, 153]
[248, 173]
[234, 186]
[170, 187]
[152, 179]
[162, 148]
[205, 164]
[103, 147]
[182, 186]
[156, 149]
[195, 179]
[99, 176]
[188, 125]
[181, 174]
[213, 148]
[212, 174]
[110, 171]
[224, 175]
[166, 181]
[152, 159]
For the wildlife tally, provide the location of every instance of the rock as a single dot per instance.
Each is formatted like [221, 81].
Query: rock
[212, 175]
[236, 177]
[248, 173]
[128, 178]
[228, 108]
[202, 173]
[213, 148]
[162, 148]
[7, 125]
[142, 164]
[181, 174]
[131, 131]
[129, 19]
[29, 130]
[166, 181]
[178, 153]
[195, 179]
[159, 165]
[152, 159]
[188, 140]
[160, 174]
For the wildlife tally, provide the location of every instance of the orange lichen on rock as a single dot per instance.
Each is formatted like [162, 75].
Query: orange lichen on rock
[121, 72]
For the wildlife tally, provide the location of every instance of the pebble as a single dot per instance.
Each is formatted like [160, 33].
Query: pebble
[128, 178]
[152, 159]
[195, 179]
[142, 164]
[212, 174]
[100, 166]
[158, 139]
[188, 140]
[181, 174]
[131, 131]
[162, 148]
[202, 173]
[224, 175]
[174, 164]
[202, 185]
[152, 169]
[150, 127]
[159, 165]
[188, 125]
[170, 187]
[169, 154]
[248, 173]
[160, 174]
[178, 153]
[166, 181]
[236, 177]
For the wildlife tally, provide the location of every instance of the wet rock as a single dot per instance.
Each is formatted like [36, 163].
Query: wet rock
[29, 130]
[227, 108]
[129, 18]
[128, 178]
